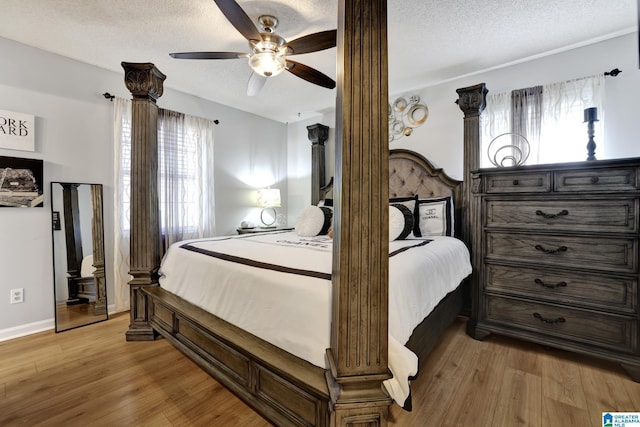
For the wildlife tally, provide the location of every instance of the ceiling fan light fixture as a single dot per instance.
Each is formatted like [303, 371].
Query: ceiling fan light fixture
[269, 51]
[267, 62]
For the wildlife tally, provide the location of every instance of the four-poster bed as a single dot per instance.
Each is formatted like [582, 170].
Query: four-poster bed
[286, 389]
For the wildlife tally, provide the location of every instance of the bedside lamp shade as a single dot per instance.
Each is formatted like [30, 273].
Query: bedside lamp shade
[268, 198]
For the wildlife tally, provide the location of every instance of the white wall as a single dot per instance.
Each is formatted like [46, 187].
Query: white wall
[74, 137]
[440, 137]
[250, 153]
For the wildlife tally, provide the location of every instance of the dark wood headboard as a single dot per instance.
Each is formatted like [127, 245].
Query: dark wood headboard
[410, 174]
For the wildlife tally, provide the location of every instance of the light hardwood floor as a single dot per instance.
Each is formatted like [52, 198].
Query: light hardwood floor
[92, 377]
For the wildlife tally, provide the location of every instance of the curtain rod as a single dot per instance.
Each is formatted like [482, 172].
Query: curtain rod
[110, 97]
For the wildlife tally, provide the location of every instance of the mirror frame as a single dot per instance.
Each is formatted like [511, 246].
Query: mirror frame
[87, 292]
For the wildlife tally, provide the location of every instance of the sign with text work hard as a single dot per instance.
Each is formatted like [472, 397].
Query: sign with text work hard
[17, 131]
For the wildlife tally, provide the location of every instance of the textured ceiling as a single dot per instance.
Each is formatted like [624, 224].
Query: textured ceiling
[430, 41]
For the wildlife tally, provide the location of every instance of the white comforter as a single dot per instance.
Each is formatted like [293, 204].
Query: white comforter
[293, 311]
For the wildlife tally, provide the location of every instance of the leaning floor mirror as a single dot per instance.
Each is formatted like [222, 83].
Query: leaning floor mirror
[78, 254]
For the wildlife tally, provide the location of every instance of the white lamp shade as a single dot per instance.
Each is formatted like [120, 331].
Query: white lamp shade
[269, 198]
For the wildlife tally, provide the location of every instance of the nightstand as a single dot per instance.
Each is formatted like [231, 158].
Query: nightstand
[254, 230]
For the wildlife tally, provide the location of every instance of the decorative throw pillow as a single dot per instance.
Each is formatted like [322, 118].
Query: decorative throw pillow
[400, 222]
[314, 221]
[435, 217]
[410, 202]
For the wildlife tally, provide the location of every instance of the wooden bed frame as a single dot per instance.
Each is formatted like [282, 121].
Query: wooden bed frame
[283, 388]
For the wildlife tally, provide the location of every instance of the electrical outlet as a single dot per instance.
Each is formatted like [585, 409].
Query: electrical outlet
[17, 295]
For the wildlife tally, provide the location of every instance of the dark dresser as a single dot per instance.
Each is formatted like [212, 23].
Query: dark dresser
[556, 257]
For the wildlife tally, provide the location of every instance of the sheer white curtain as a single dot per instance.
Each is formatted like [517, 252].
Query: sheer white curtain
[495, 121]
[121, 201]
[185, 184]
[555, 128]
[526, 120]
[564, 134]
[185, 163]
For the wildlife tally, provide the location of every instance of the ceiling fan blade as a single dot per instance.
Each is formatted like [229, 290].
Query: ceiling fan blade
[256, 82]
[313, 42]
[239, 19]
[209, 55]
[310, 74]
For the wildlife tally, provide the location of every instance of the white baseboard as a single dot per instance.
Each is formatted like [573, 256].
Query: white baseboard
[35, 327]
[27, 329]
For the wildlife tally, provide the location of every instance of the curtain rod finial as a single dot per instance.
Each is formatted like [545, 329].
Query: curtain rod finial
[613, 72]
[108, 96]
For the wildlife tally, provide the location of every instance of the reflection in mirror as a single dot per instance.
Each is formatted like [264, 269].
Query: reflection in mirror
[78, 254]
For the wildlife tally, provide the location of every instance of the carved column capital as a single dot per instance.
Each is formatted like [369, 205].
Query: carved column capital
[472, 99]
[143, 80]
[70, 186]
[318, 133]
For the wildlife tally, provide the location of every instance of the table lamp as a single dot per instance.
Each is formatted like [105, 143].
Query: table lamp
[268, 198]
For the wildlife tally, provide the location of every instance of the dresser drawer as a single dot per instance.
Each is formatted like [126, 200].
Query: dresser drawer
[605, 215]
[607, 179]
[606, 254]
[588, 327]
[537, 182]
[603, 292]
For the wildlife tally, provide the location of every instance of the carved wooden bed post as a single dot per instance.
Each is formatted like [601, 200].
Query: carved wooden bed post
[144, 81]
[73, 238]
[97, 235]
[359, 341]
[318, 135]
[471, 101]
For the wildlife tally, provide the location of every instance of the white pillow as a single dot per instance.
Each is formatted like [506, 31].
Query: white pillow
[400, 222]
[435, 217]
[412, 203]
[314, 221]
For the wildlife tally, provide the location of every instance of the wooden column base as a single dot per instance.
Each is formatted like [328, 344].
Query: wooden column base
[357, 400]
[139, 328]
[146, 333]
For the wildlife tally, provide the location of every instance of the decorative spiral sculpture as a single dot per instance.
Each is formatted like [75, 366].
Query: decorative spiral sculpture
[405, 115]
[514, 153]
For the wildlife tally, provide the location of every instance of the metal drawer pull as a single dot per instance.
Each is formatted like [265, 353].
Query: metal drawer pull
[563, 212]
[551, 251]
[594, 179]
[551, 321]
[515, 182]
[546, 285]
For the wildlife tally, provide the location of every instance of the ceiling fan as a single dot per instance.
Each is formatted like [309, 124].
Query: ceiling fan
[269, 56]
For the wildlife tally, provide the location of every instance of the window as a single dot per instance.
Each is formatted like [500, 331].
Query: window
[185, 175]
[185, 165]
[550, 117]
[185, 185]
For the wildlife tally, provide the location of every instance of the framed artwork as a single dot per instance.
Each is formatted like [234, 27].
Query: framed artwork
[21, 182]
[17, 131]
